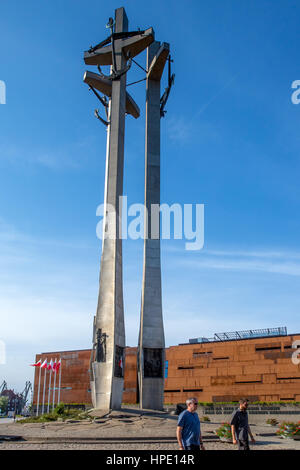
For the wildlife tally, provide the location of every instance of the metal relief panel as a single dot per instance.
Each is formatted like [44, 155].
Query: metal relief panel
[153, 362]
[101, 346]
[119, 362]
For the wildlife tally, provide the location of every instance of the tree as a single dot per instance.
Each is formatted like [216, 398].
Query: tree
[3, 404]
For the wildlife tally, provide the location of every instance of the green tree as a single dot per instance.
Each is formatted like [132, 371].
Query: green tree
[3, 404]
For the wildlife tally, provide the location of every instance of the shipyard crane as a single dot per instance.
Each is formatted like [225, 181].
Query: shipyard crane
[3, 387]
[24, 394]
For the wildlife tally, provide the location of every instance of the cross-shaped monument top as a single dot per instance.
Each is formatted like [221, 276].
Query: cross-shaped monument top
[120, 41]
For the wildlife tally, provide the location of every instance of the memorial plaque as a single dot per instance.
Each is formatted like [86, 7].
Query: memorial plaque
[101, 346]
[153, 362]
[119, 362]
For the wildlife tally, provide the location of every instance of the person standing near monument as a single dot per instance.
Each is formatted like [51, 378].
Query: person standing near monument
[240, 427]
[188, 427]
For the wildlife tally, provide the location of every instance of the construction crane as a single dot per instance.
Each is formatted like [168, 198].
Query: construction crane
[24, 394]
[3, 387]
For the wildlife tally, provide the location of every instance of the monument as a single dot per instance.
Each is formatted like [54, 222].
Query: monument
[107, 357]
[106, 369]
[151, 355]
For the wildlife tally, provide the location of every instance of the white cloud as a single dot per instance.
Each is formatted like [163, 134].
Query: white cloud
[273, 261]
[261, 262]
[179, 129]
[70, 155]
[255, 253]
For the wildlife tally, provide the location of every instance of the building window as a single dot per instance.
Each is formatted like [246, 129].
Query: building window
[250, 382]
[166, 369]
[220, 358]
[201, 353]
[288, 378]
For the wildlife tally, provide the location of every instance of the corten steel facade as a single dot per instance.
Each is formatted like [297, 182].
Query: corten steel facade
[259, 368]
[75, 377]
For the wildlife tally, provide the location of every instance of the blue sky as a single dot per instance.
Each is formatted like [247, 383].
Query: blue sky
[230, 141]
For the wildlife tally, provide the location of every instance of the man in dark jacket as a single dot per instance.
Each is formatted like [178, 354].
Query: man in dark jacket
[240, 427]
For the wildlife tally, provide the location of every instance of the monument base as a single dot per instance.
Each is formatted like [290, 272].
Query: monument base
[152, 394]
[106, 390]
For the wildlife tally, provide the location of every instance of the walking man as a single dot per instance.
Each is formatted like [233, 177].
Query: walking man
[188, 427]
[240, 427]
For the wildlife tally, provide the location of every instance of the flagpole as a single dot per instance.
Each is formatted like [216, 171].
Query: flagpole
[54, 384]
[59, 381]
[44, 389]
[50, 370]
[38, 398]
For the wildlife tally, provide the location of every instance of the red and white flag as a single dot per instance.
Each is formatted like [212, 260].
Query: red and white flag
[121, 363]
[44, 365]
[50, 365]
[58, 366]
[37, 364]
[54, 365]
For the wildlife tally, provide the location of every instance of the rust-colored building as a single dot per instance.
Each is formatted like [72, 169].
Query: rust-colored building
[258, 368]
[75, 379]
[222, 369]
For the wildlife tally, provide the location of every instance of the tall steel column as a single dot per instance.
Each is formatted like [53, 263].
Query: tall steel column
[107, 361]
[151, 354]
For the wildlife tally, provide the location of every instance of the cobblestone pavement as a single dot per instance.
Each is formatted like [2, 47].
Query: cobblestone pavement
[131, 431]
